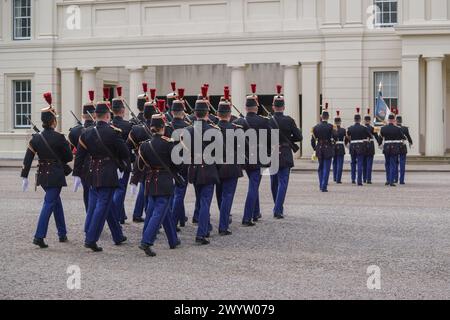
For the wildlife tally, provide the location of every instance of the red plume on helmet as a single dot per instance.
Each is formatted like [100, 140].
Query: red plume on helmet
[105, 94]
[91, 95]
[226, 93]
[145, 87]
[368, 111]
[180, 93]
[279, 87]
[338, 113]
[358, 110]
[205, 92]
[161, 105]
[326, 105]
[253, 86]
[226, 87]
[152, 94]
[119, 91]
[48, 98]
[173, 84]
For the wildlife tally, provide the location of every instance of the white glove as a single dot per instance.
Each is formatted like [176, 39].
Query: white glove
[25, 184]
[76, 183]
[120, 174]
[134, 189]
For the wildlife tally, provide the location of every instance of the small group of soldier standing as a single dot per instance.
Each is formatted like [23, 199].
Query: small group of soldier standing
[111, 152]
[329, 142]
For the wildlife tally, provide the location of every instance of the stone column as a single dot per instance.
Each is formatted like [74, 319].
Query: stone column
[136, 79]
[291, 92]
[238, 86]
[410, 101]
[89, 82]
[70, 98]
[310, 103]
[434, 144]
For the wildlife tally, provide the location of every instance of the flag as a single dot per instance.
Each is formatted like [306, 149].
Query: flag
[382, 110]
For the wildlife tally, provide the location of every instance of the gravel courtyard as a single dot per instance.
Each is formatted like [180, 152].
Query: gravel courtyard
[320, 251]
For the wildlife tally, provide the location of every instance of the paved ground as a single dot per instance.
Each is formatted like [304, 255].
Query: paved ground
[320, 251]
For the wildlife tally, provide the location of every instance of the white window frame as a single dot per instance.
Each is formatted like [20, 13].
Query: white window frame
[374, 87]
[379, 14]
[15, 104]
[19, 18]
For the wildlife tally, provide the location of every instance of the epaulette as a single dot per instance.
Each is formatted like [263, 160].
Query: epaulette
[167, 139]
[115, 128]
[238, 125]
[377, 129]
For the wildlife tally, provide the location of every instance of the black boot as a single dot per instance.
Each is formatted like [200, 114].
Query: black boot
[63, 239]
[176, 245]
[40, 243]
[202, 241]
[248, 224]
[225, 233]
[121, 241]
[138, 220]
[93, 246]
[147, 249]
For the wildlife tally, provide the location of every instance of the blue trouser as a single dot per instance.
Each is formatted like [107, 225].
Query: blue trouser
[86, 190]
[227, 191]
[197, 203]
[397, 164]
[402, 162]
[387, 166]
[178, 209]
[338, 168]
[157, 213]
[204, 196]
[52, 204]
[357, 168]
[392, 168]
[279, 185]
[324, 172]
[219, 194]
[119, 198]
[251, 210]
[141, 202]
[367, 168]
[100, 212]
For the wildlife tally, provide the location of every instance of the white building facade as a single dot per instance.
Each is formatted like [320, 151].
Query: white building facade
[334, 51]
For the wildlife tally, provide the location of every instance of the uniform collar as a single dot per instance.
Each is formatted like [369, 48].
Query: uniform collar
[102, 123]
[279, 113]
[118, 117]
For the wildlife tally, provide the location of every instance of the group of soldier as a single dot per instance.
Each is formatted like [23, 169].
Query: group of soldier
[111, 153]
[330, 141]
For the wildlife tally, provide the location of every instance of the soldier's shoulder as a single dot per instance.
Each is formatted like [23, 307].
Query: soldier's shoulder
[116, 129]
[76, 128]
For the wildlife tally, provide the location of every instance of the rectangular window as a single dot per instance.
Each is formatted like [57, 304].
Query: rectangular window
[386, 13]
[21, 103]
[22, 19]
[390, 88]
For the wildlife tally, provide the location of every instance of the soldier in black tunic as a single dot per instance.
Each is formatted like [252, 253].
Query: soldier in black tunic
[370, 149]
[155, 160]
[393, 138]
[289, 134]
[74, 135]
[54, 153]
[322, 143]
[118, 109]
[358, 136]
[340, 142]
[110, 158]
[403, 149]
[141, 100]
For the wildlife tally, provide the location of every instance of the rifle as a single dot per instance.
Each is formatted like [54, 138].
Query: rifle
[189, 105]
[78, 121]
[240, 113]
[33, 125]
[90, 115]
[133, 115]
[295, 148]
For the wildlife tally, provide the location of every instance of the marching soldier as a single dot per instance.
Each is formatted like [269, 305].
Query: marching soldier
[322, 143]
[202, 175]
[118, 109]
[74, 136]
[179, 122]
[370, 149]
[109, 160]
[393, 138]
[155, 157]
[403, 149]
[289, 135]
[141, 100]
[340, 142]
[138, 134]
[170, 98]
[358, 136]
[229, 173]
[54, 153]
[253, 121]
